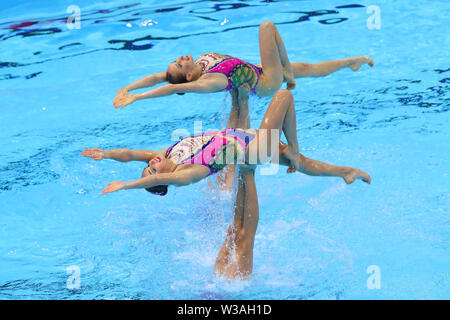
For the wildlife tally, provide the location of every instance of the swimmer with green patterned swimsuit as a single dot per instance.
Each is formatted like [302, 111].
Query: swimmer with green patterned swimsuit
[195, 158]
[213, 72]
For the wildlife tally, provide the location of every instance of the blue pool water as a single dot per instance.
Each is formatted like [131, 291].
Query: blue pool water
[316, 236]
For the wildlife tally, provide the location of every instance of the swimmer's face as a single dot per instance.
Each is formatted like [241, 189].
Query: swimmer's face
[182, 68]
[155, 166]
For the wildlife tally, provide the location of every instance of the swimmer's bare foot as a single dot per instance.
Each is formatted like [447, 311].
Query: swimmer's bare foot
[293, 157]
[289, 78]
[359, 61]
[352, 174]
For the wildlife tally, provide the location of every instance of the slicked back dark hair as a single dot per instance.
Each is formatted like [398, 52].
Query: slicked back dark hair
[176, 80]
[158, 190]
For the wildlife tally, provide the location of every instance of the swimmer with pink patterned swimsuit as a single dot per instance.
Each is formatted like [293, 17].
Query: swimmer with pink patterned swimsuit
[213, 72]
[195, 158]
[237, 71]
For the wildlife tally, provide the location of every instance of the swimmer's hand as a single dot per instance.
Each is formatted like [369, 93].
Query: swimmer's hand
[356, 62]
[120, 95]
[114, 186]
[94, 153]
[124, 100]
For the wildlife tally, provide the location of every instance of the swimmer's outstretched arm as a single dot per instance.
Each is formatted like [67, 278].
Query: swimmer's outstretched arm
[176, 178]
[323, 69]
[208, 85]
[122, 155]
[148, 81]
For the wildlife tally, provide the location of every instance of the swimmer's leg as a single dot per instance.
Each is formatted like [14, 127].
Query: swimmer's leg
[274, 61]
[235, 258]
[317, 168]
[225, 178]
[225, 264]
[323, 69]
[280, 117]
[239, 118]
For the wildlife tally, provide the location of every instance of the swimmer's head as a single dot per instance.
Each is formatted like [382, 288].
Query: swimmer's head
[181, 70]
[155, 166]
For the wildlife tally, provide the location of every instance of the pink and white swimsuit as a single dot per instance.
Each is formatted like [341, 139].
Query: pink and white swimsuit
[236, 70]
[212, 149]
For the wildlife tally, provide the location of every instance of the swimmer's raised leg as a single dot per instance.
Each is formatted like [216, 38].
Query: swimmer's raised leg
[323, 69]
[317, 168]
[239, 118]
[274, 60]
[279, 118]
[225, 178]
[235, 258]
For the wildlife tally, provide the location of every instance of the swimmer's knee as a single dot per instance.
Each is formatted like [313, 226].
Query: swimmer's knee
[267, 25]
[284, 94]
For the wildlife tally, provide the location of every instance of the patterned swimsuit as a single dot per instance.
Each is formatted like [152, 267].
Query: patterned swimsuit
[212, 149]
[236, 70]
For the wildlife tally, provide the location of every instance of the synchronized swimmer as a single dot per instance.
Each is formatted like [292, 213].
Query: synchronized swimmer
[194, 158]
[213, 72]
